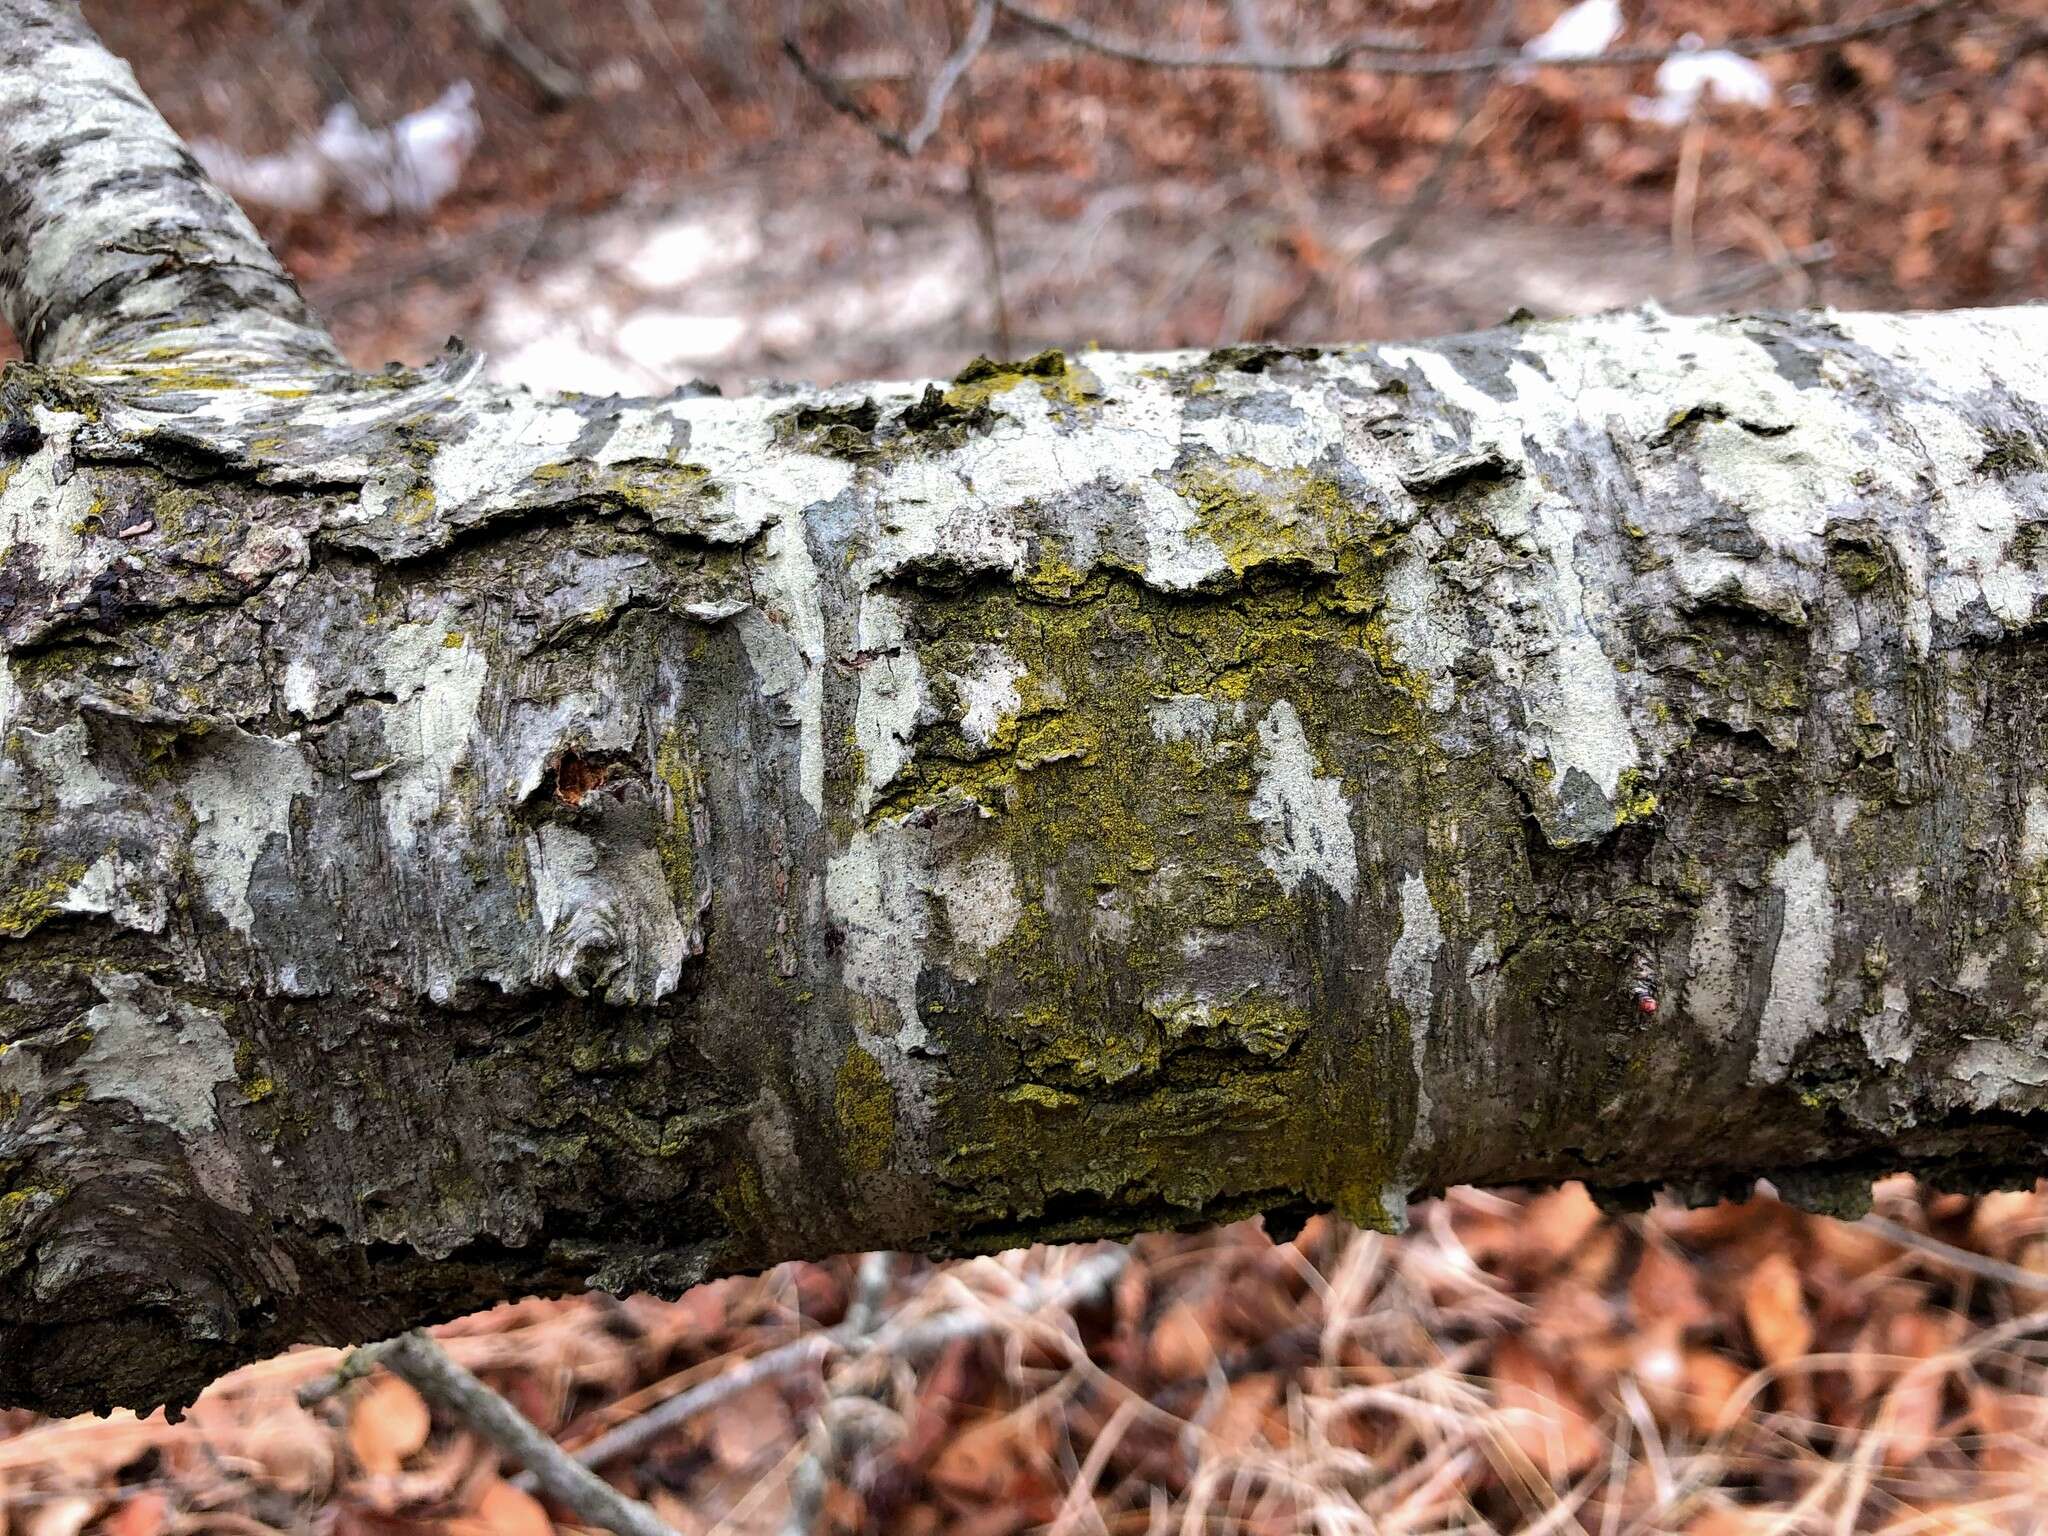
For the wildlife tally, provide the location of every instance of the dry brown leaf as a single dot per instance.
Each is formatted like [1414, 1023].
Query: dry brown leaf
[1854, 1251]
[981, 1461]
[1775, 1308]
[65, 1515]
[1180, 1346]
[1242, 1415]
[1543, 1415]
[291, 1450]
[1711, 1383]
[749, 1426]
[1665, 1290]
[503, 1510]
[148, 1513]
[387, 1423]
[681, 1515]
[1559, 1223]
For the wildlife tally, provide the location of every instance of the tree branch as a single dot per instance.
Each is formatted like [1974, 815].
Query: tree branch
[457, 843]
[113, 243]
[906, 142]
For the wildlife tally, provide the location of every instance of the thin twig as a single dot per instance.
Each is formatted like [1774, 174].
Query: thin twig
[557, 83]
[991, 245]
[1685, 195]
[355, 1365]
[906, 143]
[1983, 1266]
[1283, 106]
[812, 1478]
[1471, 96]
[1804, 260]
[427, 1367]
[1090, 1277]
[683, 81]
[1375, 53]
[950, 73]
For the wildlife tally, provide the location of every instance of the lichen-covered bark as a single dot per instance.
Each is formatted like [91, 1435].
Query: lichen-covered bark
[456, 843]
[112, 241]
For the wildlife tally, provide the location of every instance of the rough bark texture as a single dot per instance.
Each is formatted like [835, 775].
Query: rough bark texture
[112, 241]
[458, 843]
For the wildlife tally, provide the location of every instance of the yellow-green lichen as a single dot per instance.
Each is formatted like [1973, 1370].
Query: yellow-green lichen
[675, 842]
[1132, 848]
[865, 1106]
[1061, 383]
[27, 907]
[1633, 799]
[1260, 516]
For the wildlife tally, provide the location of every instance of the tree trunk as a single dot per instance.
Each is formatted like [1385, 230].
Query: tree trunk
[459, 844]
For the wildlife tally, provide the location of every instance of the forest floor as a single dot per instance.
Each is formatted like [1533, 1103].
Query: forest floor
[1519, 1361]
[1514, 1363]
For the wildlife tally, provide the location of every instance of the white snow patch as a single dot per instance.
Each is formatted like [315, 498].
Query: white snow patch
[685, 249]
[1697, 74]
[408, 167]
[661, 340]
[1585, 31]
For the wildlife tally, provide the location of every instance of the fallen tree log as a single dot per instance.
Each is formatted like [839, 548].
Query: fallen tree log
[456, 843]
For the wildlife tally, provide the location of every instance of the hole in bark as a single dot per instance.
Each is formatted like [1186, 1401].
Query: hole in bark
[575, 776]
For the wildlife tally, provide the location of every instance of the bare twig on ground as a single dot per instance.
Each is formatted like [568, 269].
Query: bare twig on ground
[1685, 196]
[1379, 53]
[1983, 1266]
[1087, 1279]
[824, 1444]
[991, 250]
[556, 83]
[429, 1370]
[682, 79]
[1804, 261]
